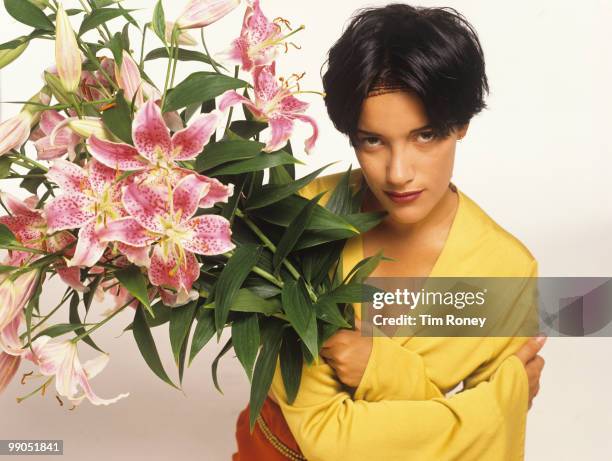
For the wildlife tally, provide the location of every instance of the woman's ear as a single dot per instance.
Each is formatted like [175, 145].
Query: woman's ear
[462, 131]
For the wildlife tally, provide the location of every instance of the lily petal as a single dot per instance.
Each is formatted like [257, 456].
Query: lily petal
[17, 206]
[9, 364]
[150, 133]
[126, 230]
[282, 128]
[190, 141]
[168, 272]
[68, 211]
[135, 255]
[218, 192]
[89, 248]
[114, 155]
[211, 235]
[129, 80]
[310, 142]
[69, 176]
[147, 204]
[187, 195]
[231, 98]
[101, 177]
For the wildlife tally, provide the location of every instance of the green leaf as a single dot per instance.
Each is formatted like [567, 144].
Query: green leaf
[230, 280]
[4, 269]
[365, 267]
[301, 313]
[8, 56]
[146, 345]
[265, 366]
[32, 184]
[205, 329]
[158, 24]
[28, 14]
[183, 55]
[327, 310]
[74, 318]
[116, 46]
[247, 128]
[245, 337]
[273, 193]
[226, 151]
[7, 238]
[180, 324]
[58, 330]
[118, 119]
[291, 362]
[257, 163]
[161, 314]
[293, 232]
[279, 175]
[215, 363]
[199, 87]
[246, 300]
[98, 17]
[340, 200]
[134, 281]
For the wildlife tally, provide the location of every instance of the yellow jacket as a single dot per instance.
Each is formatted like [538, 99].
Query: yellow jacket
[399, 410]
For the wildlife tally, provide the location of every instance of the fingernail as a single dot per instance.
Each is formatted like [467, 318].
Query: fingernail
[541, 337]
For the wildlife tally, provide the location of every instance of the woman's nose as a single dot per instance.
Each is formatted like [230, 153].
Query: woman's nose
[401, 168]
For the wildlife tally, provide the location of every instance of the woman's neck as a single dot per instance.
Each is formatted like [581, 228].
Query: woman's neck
[439, 218]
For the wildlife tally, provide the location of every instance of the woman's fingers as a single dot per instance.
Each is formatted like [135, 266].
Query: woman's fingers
[530, 348]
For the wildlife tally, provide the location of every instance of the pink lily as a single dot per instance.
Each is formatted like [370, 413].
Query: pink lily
[94, 85]
[259, 40]
[9, 364]
[155, 153]
[15, 131]
[63, 141]
[60, 359]
[67, 54]
[15, 295]
[29, 226]
[184, 37]
[91, 199]
[201, 13]
[166, 213]
[275, 104]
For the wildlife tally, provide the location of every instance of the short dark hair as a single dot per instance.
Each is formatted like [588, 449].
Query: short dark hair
[435, 52]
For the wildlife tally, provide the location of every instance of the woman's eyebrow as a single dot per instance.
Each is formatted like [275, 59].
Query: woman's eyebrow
[371, 133]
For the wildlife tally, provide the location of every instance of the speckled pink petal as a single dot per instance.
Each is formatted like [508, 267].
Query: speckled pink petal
[189, 142]
[231, 98]
[68, 211]
[47, 151]
[126, 230]
[292, 104]
[281, 129]
[150, 133]
[118, 156]
[136, 255]
[59, 241]
[166, 272]
[71, 276]
[266, 83]
[310, 142]
[49, 119]
[218, 192]
[17, 206]
[187, 194]
[89, 247]
[211, 235]
[25, 228]
[100, 176]
[148, 205]
[68, 176]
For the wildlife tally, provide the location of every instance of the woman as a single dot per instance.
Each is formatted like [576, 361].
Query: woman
[403, 84]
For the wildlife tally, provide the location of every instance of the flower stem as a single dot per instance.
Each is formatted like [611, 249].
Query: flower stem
[99, 324]
[292, 270]
[212, 61]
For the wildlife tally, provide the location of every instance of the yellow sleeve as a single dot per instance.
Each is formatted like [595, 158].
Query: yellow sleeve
[485, 423]
[394, 372]
[523, 319]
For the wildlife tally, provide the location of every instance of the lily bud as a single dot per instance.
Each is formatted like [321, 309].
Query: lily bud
[67, 54]
[184, 37]
[88, 126]
[8, 56]
[201, 13]
[9, 364]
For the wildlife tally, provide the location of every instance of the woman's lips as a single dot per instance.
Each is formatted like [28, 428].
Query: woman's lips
[404, 197]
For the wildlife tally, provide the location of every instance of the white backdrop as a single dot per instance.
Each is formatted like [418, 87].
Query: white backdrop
[538, 161]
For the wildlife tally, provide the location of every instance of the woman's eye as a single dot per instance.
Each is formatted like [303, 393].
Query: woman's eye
[370, 141]
[426, 136]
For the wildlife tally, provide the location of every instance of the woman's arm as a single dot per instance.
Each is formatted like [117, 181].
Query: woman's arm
[485, 423]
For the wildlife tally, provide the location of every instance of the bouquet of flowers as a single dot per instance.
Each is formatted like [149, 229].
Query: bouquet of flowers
[133, 195]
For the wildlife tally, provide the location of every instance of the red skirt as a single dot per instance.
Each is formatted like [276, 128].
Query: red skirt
[271, 439]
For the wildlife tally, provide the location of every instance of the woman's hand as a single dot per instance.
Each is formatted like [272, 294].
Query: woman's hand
[348, 352]
[533, 363]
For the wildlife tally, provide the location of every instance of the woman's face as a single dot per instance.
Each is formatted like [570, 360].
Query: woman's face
[399, 153]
